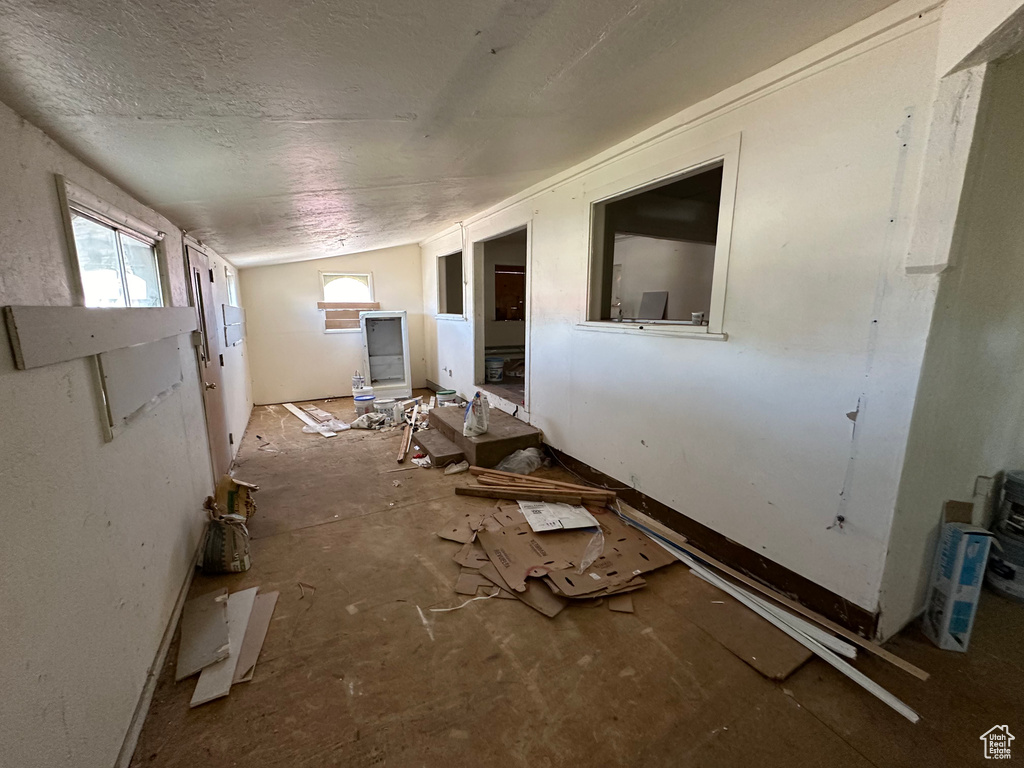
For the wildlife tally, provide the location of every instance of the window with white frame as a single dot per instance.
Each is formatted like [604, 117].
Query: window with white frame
[660, 246]
[118, 266]
[449, 284]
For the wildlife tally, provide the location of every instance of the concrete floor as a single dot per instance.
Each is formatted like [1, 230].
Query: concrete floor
[350, 675]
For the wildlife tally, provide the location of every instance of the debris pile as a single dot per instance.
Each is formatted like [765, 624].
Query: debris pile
[550, 543]
[548, 555]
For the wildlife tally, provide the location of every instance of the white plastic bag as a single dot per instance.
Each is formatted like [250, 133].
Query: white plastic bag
[521, 462]
[333, 425]
[369, 421]
[475, 422]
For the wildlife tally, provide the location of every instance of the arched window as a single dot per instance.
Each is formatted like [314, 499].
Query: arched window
[347, 288]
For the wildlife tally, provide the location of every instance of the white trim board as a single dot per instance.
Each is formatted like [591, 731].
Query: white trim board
[47, 335]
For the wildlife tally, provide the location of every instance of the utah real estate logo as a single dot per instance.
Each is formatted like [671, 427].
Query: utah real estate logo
[997, 742]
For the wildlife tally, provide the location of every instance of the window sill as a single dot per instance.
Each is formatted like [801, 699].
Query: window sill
[458, 318]
[343, 330]
[681, 330]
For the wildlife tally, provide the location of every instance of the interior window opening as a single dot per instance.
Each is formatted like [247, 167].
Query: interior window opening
[656, 254]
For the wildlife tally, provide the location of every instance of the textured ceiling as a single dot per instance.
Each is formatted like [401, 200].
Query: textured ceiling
[279, 130]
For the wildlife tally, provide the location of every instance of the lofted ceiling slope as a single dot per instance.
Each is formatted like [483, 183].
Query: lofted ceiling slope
[280, 130]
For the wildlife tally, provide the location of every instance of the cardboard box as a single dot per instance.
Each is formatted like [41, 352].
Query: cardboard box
[955, 588]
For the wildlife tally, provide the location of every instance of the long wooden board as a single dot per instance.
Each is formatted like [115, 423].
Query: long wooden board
[47, 335]
[679, 541]
[255, 634]
[494, 473]
[306, 418]
[493, 493]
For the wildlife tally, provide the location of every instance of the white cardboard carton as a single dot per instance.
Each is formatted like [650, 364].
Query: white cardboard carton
[957, 574]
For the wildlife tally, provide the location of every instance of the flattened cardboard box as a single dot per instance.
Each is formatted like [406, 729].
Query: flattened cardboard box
[518, 553]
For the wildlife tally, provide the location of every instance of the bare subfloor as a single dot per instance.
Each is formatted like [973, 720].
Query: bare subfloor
[352, 674]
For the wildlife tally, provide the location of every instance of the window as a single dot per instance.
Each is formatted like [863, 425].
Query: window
[231, 280]
[119, 268]
[449, 284]
[345, 295]
[348, 288]
[660, 243]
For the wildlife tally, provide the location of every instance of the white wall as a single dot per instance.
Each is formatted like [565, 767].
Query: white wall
[651, 264]
[751, 436]
[290, 356]
[969, 417]
[98, 537]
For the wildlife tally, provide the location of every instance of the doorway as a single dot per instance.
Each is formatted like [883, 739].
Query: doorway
[502, 316]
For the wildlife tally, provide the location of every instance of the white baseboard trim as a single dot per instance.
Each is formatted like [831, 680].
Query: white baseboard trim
[131, 738]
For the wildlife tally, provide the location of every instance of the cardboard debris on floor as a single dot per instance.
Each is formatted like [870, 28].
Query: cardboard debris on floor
[548, 570]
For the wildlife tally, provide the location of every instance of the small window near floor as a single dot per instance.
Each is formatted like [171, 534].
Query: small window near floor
[449, 284]
[654, 251]
[119, 268]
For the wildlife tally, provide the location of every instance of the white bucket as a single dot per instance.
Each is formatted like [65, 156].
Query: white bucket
[494, 368]
[364, 404]
[362, 392]
[445, 396]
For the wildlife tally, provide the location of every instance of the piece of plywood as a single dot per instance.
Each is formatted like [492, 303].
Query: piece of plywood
[365, 306]
[751, 638]
[215, 680]
[135, 376]
[204, 633]
[255, 634]
[47, 335]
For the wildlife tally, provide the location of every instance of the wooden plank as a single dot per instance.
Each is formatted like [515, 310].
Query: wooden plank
[492, 493]
[204, 633]
[336, 325]
[407, 436]
[47, 335]
[233, 334]
[591, 497]
[541, 485]
[365, 306]
[679, 541]
[255, 634]
[343, 314]
[134, 377]
[307, 419]
[484, 472]
[216, 679]
[233, 315]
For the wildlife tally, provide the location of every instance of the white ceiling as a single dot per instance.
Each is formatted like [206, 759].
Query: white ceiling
[280, 130]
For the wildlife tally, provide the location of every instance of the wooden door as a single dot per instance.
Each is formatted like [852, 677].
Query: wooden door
[209, 353]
